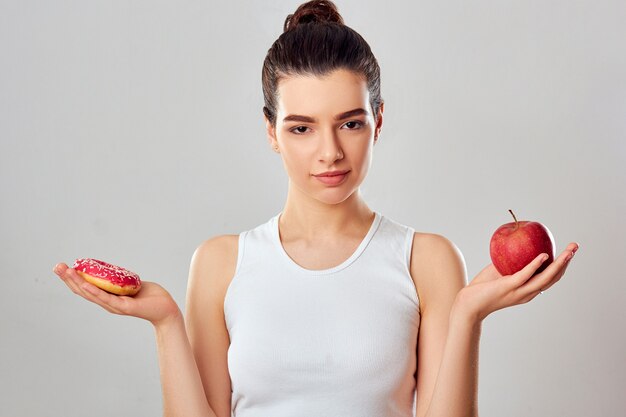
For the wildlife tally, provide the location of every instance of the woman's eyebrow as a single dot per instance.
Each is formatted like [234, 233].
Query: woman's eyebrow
[307, 119]
[351, 113]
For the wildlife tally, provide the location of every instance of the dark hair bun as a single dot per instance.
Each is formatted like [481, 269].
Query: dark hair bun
[313, 11]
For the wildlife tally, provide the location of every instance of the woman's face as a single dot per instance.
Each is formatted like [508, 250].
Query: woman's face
[325, 124]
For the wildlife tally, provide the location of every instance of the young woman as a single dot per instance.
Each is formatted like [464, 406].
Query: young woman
[329, 308]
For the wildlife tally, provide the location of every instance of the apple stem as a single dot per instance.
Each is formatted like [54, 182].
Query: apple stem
[514, 218]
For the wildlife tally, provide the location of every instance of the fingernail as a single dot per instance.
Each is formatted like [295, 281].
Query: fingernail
[544, 257]
[575, 249]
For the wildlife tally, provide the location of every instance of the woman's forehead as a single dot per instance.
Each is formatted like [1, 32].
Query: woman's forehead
[334, 93]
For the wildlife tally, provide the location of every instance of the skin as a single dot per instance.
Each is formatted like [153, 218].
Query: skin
[320, 227]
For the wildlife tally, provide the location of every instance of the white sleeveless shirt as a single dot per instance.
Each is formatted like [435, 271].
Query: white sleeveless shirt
[321, 343]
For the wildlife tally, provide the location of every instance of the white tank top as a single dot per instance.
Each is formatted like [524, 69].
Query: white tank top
[322, 343]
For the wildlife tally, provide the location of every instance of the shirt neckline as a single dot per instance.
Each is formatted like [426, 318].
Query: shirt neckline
[283, 254]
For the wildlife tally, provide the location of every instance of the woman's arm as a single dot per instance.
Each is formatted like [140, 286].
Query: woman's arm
[452, 390]
[456, 388]
[438, 270]
[183, 394]
[212, 268]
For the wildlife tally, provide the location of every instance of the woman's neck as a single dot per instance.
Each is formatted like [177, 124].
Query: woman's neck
[314, 220]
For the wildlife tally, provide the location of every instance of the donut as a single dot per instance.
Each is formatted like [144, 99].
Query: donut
[111, 278]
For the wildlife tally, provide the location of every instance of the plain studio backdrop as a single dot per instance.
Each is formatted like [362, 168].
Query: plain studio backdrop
[131, 131]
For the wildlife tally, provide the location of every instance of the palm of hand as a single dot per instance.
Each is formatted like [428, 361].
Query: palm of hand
[152, 302]
[490, 291]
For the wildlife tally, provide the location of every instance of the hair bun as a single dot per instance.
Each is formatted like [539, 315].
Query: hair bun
[321, 11]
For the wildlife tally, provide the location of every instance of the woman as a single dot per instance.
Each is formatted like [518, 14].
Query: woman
[329, 308]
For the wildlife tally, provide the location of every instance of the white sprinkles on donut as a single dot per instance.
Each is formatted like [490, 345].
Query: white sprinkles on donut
[113, 273]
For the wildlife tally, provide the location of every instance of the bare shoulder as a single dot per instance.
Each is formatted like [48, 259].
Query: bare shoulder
[437, 268]
[213, 263]
[220, 245]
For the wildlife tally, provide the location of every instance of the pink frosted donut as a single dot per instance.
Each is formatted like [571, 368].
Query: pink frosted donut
[111, 278]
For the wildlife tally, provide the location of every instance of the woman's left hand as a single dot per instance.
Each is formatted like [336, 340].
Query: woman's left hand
[490, 291]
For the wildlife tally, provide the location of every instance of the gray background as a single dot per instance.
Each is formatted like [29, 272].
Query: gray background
[131, 131]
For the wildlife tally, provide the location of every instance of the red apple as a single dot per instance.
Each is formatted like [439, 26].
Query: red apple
[514, 245]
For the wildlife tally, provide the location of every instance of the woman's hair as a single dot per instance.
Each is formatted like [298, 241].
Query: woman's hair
[315, 41]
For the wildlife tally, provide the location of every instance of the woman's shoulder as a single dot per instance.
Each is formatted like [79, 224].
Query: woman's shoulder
[429, 249]
[429, 242]
[218, 244]
[437, 266]
[214, 260]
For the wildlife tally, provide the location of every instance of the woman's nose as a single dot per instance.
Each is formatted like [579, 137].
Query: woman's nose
[330, 149]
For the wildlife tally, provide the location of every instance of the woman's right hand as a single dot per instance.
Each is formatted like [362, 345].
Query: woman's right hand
[152, 302]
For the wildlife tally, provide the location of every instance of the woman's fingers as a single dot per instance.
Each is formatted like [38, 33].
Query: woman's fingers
[88, 291]
[91, 293]
[548, 276]
[110, 302]
[61, 270]
[523, 275]
[488, 273]
[555, 279]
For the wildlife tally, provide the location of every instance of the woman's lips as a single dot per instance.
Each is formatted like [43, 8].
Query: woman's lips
[333, 179]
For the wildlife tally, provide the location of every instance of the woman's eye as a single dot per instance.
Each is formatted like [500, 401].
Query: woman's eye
[297, 130]
[359, 124]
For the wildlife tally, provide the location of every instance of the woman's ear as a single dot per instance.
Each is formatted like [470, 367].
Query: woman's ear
[271, 134]
[379, 121]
